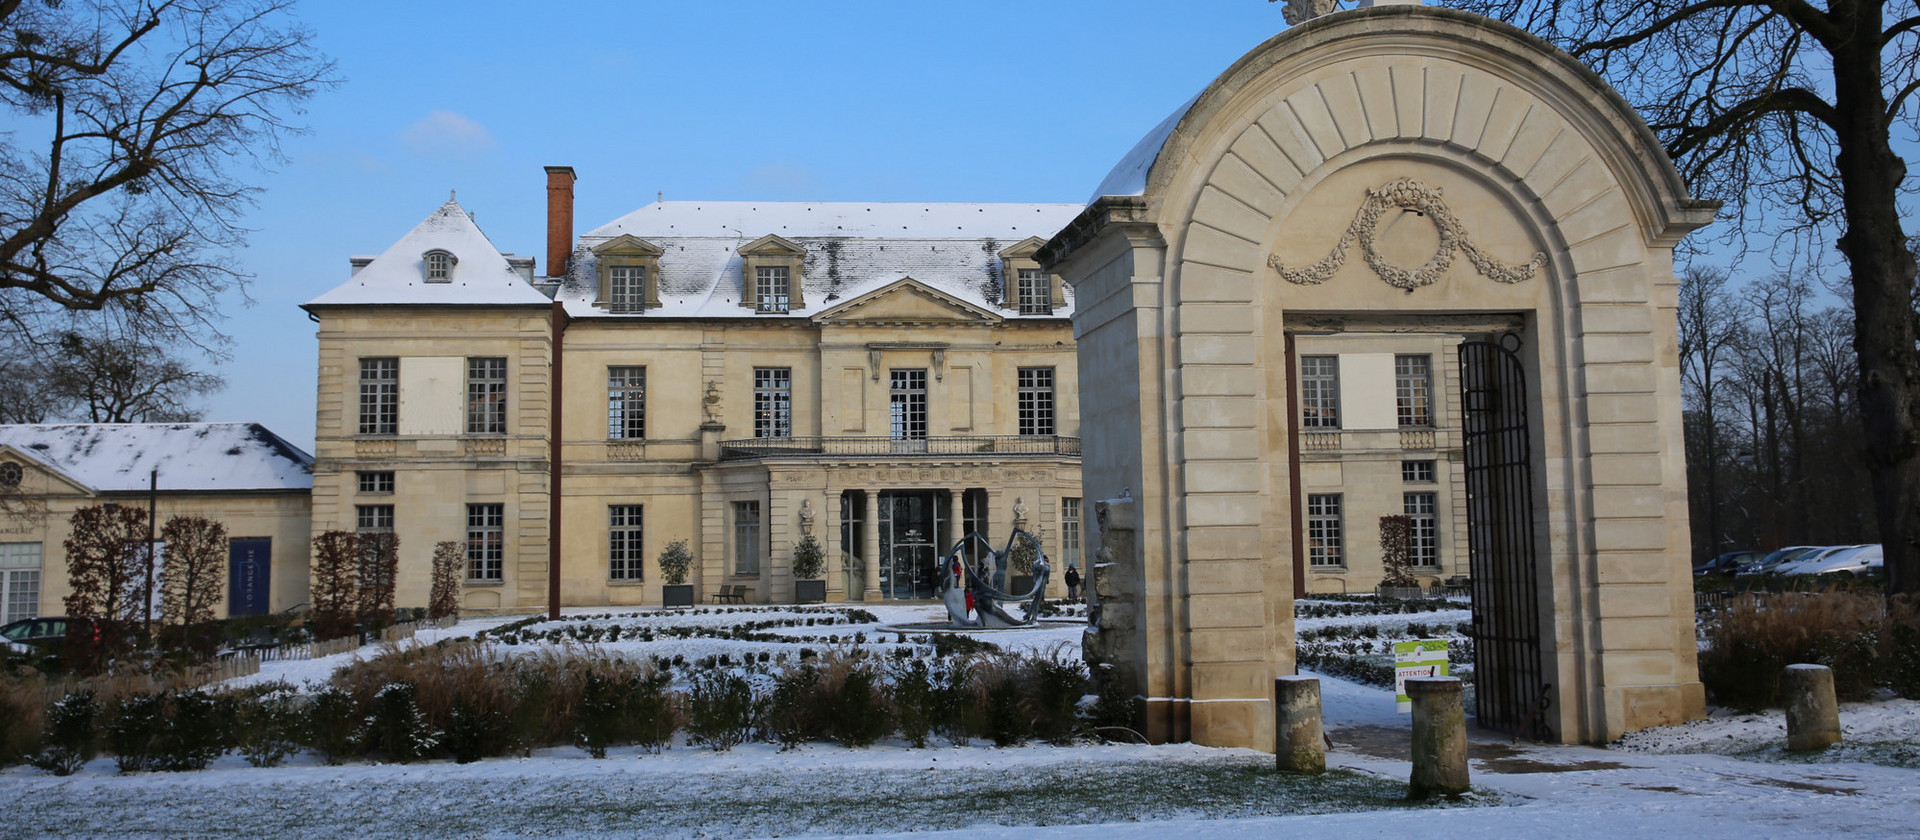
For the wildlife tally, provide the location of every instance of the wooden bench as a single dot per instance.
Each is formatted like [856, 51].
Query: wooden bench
[731, 595]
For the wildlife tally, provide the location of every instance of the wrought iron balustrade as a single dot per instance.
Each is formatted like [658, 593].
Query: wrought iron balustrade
[886, 447]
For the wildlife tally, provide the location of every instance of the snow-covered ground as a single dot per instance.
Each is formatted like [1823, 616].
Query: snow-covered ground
[1719, 778]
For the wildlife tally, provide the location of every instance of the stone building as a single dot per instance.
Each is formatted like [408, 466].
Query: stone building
[885, 377]
[239, 474]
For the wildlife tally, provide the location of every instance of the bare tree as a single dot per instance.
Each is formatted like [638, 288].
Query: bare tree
[336, 584]
[443, 601]
[379, 567]
[106, 562]
[123, 202]
[1790, 107]
[126, 380]
[190, 583]
[1710, 329]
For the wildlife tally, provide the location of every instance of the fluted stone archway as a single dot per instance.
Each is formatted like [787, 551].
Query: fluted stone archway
[1391, 168]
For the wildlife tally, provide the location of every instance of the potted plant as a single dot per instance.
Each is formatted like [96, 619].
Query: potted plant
[1025, 550]
[809, 562]
[675, 561]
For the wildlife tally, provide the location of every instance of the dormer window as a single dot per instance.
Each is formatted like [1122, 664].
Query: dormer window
[1028, 289]
[439, 266]
[629, 274]
[771, 272]
[1032, 294]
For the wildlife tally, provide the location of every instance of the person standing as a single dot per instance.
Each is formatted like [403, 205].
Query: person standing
[1073, 582]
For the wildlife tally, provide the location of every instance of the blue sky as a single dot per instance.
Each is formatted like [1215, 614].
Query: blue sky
[843, 101]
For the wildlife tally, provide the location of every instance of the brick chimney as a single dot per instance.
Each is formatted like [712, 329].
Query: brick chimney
[559, 219]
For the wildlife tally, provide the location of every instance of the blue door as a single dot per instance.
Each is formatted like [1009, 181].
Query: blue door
[248, 562]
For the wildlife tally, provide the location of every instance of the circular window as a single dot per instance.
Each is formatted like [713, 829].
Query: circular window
[9, 474]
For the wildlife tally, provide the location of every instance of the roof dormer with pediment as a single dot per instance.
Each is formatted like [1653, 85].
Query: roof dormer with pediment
[771, 270]
[627, 274]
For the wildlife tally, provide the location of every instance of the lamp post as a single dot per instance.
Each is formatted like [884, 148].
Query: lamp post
[153, 506]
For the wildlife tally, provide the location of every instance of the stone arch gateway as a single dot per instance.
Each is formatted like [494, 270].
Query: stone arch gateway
[1371, 174]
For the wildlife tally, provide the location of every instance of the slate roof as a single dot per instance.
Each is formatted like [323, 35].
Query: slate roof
[210, 457]
[1129, 176]
[481, 274]
[852, 248]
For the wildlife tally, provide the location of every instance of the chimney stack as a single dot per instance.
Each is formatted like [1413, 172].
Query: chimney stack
[559, 219]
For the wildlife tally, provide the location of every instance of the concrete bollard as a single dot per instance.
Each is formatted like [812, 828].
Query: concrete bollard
[1439, 738]
[1299, 741]
[1813, 716]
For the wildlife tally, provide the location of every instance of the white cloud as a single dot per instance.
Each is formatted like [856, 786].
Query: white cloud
[445, 134]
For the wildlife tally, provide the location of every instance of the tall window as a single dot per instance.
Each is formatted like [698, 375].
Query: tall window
[627, 288]
[375, 482]
[626, 403]
[487, 395]
[486, 543]
[380, 396]
[1413, 389]
[1320, 392]
[1423, 547]
[373, 519]
[1070, 530]
[746, 538]
[1325, 539]
[1033, 293]
[19, 581]
[624, 557]
[771, 292]
[907, 403]
[772, 402]
[1036, 401]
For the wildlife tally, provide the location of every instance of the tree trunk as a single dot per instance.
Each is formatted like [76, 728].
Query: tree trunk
[1883, 302]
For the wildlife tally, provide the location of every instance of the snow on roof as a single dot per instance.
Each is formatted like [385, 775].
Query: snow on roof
[1129, 176]
[852, 249]
[481, 274]
[117, 457]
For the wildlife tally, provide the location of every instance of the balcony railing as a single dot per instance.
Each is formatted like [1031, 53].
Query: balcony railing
[883, 447]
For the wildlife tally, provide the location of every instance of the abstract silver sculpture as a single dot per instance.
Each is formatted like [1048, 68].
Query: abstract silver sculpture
[968, 590]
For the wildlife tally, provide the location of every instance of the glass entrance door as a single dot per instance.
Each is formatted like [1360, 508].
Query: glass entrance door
[909, 528]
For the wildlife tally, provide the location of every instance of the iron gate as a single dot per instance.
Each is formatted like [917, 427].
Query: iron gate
[1509, 686]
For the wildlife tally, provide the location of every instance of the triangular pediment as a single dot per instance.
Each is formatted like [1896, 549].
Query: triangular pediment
[38, 478]
[907, 301]
[772, 246]
[1024, 249]
[627, 244]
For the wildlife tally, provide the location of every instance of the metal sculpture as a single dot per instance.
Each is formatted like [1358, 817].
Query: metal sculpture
[969, 591]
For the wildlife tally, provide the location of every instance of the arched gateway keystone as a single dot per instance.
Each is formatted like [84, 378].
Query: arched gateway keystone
[1369, 181]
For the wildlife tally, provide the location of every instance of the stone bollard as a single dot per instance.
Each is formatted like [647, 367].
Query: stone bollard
[1439, 738]
[1299, 742]
[1813, 716]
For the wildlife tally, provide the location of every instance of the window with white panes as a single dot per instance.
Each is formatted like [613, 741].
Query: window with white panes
[19, 581]
[907, 403]
[1423, 548]
[1325, 537]
[487, 395]
[380, 396]
[1320, 392]
[439, 266]
[626, 403]
[1416, 472]
[486, 543]
[746, 538]
[1413, 389]
[772, 402]
[625, 557]
[627, 288]
[373, 519]
[771, 289]
[1070, 533]
[373, 482]
[1033, 292]
[1036, 400]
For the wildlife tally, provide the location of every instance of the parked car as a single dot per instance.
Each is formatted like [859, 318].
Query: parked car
[1811, 557]
[1853, 561]
[1775, 559]
[47, 635]
[1727, 563]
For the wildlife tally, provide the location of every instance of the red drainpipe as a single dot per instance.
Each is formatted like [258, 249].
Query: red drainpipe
[559, 321]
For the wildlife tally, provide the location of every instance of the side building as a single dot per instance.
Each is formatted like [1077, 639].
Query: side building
[884, 377]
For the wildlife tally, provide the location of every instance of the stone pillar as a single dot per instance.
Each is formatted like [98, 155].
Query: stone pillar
[1110, 643]
[1813, 716]
[1439, 738]
[829, 536]
[956, 518]
[871, 551]
[1299, 740]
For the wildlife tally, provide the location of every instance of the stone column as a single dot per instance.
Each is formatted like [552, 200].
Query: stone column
[871, 550]
[1813, 716]
[828, 532]
[1439, 738]
[956, 519]
[1299, 740]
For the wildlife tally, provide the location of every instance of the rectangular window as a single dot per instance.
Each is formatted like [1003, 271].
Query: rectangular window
[772, 402]
[627, 288]
[907, 401]
[1070, 531]
[380, 396]
[376, 482]
[626, 403]
[1413, 389]
[486, 543]
[746, 538]
[1032, 292]
[624, 552]
[373, 519]
[1324, 536]
[1423, 545]
[1320, 392]
[771, 292]
[19, 581]
[487, 395]
[1036, 401]
[1416, 472]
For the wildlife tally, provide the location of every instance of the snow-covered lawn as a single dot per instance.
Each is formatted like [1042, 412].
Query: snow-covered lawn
[1719, 778]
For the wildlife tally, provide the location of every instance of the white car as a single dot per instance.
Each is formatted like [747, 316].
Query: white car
[1792, 567]
[1853, 561]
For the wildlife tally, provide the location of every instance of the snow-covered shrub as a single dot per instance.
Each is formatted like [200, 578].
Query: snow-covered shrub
[621, 704]
[332, 726]
[268, 722]
[1057, 682]
[857, 709]
[911, 686]
[721, 710]
[198, 729]
[71, 738]
[794, 713]
[133, 731]
[397, 728]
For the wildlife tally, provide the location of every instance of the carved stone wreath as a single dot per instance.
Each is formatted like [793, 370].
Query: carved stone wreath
[1407, 194]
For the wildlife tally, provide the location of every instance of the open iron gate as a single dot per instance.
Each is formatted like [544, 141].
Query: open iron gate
[1509, 686]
